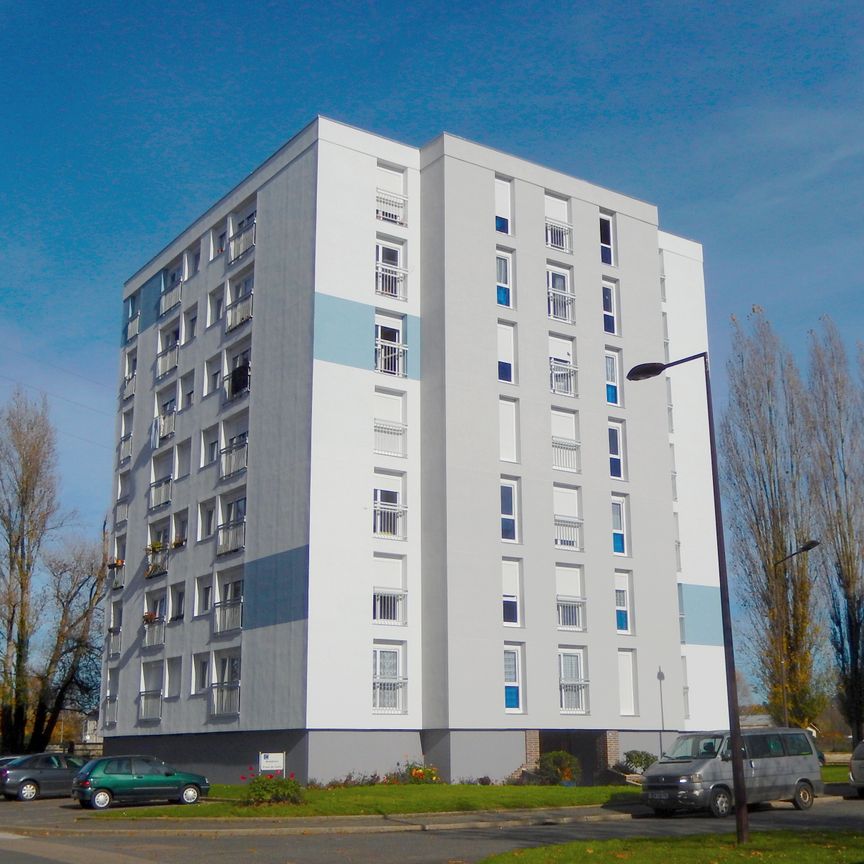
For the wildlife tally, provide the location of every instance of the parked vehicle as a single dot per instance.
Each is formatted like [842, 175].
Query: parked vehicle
[779, 765]
[856, 769]
[135, 778]
[38, 776]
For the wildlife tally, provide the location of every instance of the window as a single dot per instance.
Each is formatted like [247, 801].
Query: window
[607, 231]
[559, 300]
[503, 278]
[509, 510]
[502, 206]
[623, 602]
[508, 430]
[131, 364]
[201, 673]
[388, 591]
[389, 270]
[619, 525]
[209, 445]
[506, 352]
[388, 684]
[181, 528]
[511, 589]
[572, 680]
[207, 520]
[187, 390]
[218, 238]
[566, 506]
[562, 369]
[610, 307]
[390, 198]
[613, 365]
[388, 514]
[570, 597]
[616, 449]
[203, 594]
[565, 440]
[390, 350]
[215, 305]
[513, 702]
[557, 223]
[214, 375]
[173, 668]
[389, 423]
[235, 510]
[627, 702]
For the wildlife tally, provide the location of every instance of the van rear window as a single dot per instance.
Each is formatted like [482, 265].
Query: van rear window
[764, 746]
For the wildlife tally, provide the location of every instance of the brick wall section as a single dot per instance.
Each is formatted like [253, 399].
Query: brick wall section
[608, 748]
[532, 748]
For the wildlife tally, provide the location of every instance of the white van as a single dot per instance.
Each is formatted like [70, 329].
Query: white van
[696, 773]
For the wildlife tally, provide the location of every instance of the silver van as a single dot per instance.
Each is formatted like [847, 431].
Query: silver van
[696, 773]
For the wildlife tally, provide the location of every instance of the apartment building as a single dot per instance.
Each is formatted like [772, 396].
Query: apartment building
[382, 488]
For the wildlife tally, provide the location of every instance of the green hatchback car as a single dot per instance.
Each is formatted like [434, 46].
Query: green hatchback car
[135, 778]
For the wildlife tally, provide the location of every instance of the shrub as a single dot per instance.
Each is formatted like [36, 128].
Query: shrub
[268, 789]
[557, 766]
[638, 760]
[413, 772]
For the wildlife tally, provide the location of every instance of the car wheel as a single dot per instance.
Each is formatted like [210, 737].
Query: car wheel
[189, 795]
[803, 799]
[28, 790]
[720, 802]
[101, 799]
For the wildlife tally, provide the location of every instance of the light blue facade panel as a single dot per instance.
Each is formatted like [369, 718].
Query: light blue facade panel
[702, 619]
[412, 340]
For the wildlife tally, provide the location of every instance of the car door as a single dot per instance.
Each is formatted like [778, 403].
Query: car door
[150, 779]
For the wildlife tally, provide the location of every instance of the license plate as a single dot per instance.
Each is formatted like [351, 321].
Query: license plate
[657, 795]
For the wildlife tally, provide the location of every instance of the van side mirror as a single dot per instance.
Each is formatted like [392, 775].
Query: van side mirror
[726, 756]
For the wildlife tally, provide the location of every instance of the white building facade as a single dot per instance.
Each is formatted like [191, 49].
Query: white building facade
[382, 489]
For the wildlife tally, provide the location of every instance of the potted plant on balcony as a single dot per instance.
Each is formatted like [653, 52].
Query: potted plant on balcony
[154, 547]
[149, 617]
[179, 542]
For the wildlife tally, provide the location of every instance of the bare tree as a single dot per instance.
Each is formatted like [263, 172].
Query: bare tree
[765, 437]
[837, 485]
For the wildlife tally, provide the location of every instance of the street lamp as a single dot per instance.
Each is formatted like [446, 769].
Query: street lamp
[804, 547]
[660, 679]
[742, 824]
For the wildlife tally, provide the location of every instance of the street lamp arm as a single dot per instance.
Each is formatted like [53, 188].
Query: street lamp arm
[651, 370]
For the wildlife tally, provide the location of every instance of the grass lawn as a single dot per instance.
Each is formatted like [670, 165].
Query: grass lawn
[775, 847]
[835, 773]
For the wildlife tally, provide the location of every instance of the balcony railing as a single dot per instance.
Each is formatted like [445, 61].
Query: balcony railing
[126, 447]
[228, 615]
[389, 521]
[154, 632]
[238, 382]
[113, 641]
[118, 579]
[574, 697]
[389, 695]
[568, 533]
[560, 305]
[231, 537]
[169, 299]
[166, 424]
[132, 327]
[224, 699]
[157, 563]
[109, 711]
[391, 357]
[390, 438]
[559, 235]
[388, 605]
[160, 492]
[127, 391]
[566, 454]
[390, 207]
[233, 459]
[390, 281]
[238, 312]
[571, 612]
[166, 360]
[150, 705]
[562, 378]
[241, 242]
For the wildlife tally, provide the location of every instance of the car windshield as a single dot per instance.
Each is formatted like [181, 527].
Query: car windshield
[689, 747]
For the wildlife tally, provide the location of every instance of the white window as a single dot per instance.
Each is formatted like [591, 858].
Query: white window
[570, 597]
[173, 668]
[388, 682]
[557, 223]
[510, 510]
[506, 352]
[209, 445]
[203, 594]
[610, 307]
[502, 206]
[178, 601]
[214, 375]
[627, 697]
[513, 695]
[508, 430]
[562, 369]
[566, 506]
[190, 323]
[181, 528]
[390, 198]
[389, 423]
[607, 238]
[623, 601]
[200, 673]
[565, 440]
[504, 278]
[388, 591]
[572, 680]
[616, 449]
[215, 305]
[187, 390]
[613, 377]
[390, 349]
[389, 270]
[207, 521]
[388, 511]
[511, 591]
[559, 299]
[619, 525]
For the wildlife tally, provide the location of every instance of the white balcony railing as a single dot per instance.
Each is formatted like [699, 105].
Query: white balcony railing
[241, 242]
[571, 612]
[118, 579]
[127, 391]
[233, 459]
[225, 699]
[109, 711]
[390, 281]
[238, 312]
[132, 327]
[231, 537]
[568, 533]
[154, 632]
[166, 424]
[559, 235]
[389, 521]
[113, 641]
[574, 697]
[566, 454]
[389, 695]
[157, 563]
[150, 705]
[170, 298]
[390, 438]
[126, 447]
[562, 378]
[228, 615]
[560, 305]
[390, 207]
[388, 605]
[166, 360]
[160, 492]
[238, 381]
[391, 357]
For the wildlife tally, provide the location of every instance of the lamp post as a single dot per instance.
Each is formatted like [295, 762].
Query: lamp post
[804, 547]
[742, 823]
[660, 679]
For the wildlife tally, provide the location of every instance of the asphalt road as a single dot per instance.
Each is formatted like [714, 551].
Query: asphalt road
[53, 831]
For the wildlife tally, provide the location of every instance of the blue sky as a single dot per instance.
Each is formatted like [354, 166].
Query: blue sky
[744, 122]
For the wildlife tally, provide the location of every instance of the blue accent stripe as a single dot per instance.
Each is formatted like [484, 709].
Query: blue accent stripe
[702, 619]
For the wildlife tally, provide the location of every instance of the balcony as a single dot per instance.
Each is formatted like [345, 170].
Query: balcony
[233, 460]
[240, 242]
[574, 697]
[157, 562]
[559, 235]
[118, 575]
[165, 424]
[238, 382]
[231, 537]
[109, 711]
[390, 281]
[388, 605]
[154, 630]
[389, 695]
[224, 699]
[170, 299]
[127, 391]
[571, 612]
[238, 312]
[390, 207]
[568, 533]
[150, 705]
[391, 358]
[388, 521]
[112, 643]
[560, 305]
[228, 615]
[132, 327]
[166, 361]
[390, 438]
[160, 492]
[126, 447]
[562, 377]
[566, 454]
[121, 511]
